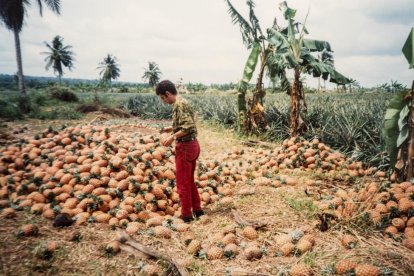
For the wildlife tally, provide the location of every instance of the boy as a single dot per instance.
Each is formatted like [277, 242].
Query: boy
[187, 149]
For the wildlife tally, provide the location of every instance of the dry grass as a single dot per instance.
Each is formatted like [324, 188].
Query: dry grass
[283, 209]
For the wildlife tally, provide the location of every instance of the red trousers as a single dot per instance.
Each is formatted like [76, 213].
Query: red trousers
[186, 154]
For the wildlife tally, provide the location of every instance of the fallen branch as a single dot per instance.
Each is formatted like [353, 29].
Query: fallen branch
[173, 268]
[243, 222]
[241, 272]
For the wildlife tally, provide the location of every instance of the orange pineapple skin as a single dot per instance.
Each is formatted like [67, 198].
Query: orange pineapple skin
[366, 270]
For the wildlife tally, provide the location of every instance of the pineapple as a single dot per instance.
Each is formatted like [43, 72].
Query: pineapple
[252, 252]
[309, 237]
[303, 246]
[367, 270]
[155, 221]
[250, 233]
[409, 243]
[287, 249]
[193, 247]
[132, 228]
[162, 232]
[283, 239]
[344, 266]
[229, 238]
[214, 253]
[300, 270]
[28, 230]
[231, 250]
[348, 241]
[229, 229]
[182, 227]
[8, 213]
[112, 248]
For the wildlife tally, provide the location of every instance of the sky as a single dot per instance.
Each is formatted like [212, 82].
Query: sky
[195, 39]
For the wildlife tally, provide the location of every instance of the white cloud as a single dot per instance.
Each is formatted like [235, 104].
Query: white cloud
[197, 41]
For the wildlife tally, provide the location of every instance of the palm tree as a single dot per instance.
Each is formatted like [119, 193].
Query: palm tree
[59, 56]
[110, 69]
[12, 15]
[152, 74]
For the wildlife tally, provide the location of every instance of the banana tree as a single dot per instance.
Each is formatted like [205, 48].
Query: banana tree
[399, 124]
[290, 50]
[251, 113]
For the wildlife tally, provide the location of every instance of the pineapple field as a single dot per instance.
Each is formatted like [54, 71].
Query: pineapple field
[99, 197]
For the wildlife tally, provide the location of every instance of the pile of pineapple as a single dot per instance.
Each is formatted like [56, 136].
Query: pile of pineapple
[389, 207]
[97, 177]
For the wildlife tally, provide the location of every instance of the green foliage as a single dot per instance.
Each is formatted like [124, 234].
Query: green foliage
[60, 112]
[343, 121]
[304, 206]
[10, 110]
[395, 128]
[62, 93]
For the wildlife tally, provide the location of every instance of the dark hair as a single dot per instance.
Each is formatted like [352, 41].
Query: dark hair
[164, 87]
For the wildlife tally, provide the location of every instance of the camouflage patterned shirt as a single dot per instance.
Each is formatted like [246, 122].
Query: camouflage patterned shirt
[184, 117]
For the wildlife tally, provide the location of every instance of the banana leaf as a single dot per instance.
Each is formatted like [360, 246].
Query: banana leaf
[408, 49]
[391, 130]
[251, 62]
[288, 13]
[316, 45]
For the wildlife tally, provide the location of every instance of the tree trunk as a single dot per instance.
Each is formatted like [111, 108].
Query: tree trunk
[319, 84]
[60, 80]
[241, 102]
[255, 119]
[297, 99]
[410, 156]
[20, 75]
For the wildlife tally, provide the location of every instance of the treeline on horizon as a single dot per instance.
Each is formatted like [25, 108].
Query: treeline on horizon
[10, 82]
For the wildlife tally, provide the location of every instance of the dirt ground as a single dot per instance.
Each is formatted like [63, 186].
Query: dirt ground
[281, 209]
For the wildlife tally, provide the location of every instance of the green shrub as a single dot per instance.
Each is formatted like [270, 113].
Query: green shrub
[9, 110]
[62, 93]
[63, 113]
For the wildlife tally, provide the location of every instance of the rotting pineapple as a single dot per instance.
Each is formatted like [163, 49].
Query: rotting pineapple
[253, 252]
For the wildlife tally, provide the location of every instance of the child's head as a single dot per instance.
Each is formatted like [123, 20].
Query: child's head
[167, 91]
